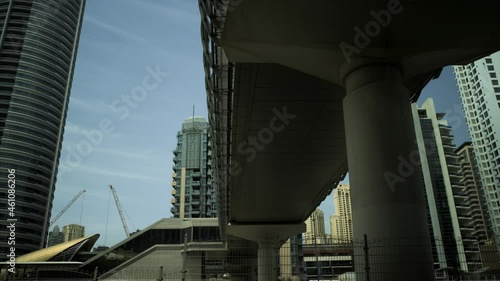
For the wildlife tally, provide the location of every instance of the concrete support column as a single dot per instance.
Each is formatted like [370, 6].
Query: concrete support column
[269, 237]
[266, 261]
[387, 195]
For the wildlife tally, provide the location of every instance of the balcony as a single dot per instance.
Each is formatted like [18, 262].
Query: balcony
[174, 183]
[196, 175]
[195, 183]
[174, 175]
[173, 201]
[174, 192]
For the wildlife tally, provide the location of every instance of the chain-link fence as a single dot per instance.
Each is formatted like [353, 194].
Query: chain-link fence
[294, 260]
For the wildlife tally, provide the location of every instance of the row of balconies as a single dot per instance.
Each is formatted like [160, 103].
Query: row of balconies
[193, 201]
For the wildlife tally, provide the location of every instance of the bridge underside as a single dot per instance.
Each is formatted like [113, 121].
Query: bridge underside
[299, 154]
[339, 77]
[320, 37]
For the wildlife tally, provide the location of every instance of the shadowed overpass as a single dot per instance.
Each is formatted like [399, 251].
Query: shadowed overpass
[297, 89]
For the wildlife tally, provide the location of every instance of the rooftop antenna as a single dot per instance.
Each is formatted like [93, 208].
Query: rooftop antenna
[193, 113]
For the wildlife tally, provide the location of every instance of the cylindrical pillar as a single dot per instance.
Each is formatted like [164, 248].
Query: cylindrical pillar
[266, 261]
[387, 195]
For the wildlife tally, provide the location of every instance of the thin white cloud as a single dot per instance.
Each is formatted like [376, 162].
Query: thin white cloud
[96, 106]
[174, 11]
[77, 130]
[126, 34]
[122, 153]
[73, 129]
[124, 175]
[115, 30]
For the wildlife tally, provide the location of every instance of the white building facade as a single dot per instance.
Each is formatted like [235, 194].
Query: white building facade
[478, 84]
[341, 221]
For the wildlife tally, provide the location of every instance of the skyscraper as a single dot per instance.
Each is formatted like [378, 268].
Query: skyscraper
[193, 191]
[73, 231]
[38, 47]
[478, 84]
[315, 228]
[341, 221]
[452, 236]
[55, 237]
[476, 200]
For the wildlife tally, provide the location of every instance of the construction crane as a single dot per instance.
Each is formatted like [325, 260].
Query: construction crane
[120, 211]
[66, 207]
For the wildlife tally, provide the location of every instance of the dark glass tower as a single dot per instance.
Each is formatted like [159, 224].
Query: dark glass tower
[38, 46]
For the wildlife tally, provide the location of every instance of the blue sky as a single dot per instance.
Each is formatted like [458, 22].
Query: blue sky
[113, 138]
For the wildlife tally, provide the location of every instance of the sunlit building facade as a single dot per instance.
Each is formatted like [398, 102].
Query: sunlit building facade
[73, 231]
[315, 228]
[479, 86]
[341, 221]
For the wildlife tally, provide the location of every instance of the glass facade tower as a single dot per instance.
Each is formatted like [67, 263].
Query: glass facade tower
[452, 234]
[38, 46]
[194, 195]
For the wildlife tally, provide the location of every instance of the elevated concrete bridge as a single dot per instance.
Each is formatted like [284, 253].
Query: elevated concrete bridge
[297, 89]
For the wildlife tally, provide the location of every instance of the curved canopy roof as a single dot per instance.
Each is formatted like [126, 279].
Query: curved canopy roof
[61, 252]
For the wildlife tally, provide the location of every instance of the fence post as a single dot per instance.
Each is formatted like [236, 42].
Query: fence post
[184, 258]
[161, 274]
[367, 264]
[96, 270]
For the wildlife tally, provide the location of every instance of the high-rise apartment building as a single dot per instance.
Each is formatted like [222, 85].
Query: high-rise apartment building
[341, 221]
[38, 47]
[478, 84]
[452, 236]
[193, 190]
[476, 200]
[315, 228]
[55, 237]
[73, 231]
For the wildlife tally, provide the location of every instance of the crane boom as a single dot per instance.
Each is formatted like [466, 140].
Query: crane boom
[66, 207]
[120, 211]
